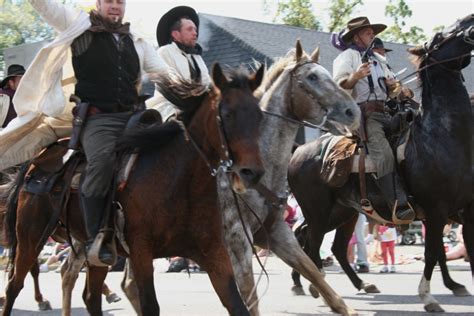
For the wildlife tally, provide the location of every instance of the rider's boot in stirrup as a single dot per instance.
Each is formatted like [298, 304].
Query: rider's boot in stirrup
[395, 194]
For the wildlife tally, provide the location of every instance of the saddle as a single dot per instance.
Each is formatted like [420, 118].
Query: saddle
[342, 156]
[57, 171]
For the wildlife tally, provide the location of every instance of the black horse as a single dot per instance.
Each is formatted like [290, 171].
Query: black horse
[437, 169]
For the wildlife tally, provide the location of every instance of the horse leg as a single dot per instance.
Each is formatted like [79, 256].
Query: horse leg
[468, 234]
[43, 305]
[241, 258]
[433, 246]
[339, 249]
[456, 288]
[69, 273]
[219, 268]
[284, 245]
[315, 238]
[302, 237]
[26, 257]
[92, 295]
[141, 261]
[129, 287]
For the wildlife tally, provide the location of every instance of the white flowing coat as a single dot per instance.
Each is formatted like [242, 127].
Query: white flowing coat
[41, 100]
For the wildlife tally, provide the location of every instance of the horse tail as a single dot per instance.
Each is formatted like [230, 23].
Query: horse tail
[14, 186]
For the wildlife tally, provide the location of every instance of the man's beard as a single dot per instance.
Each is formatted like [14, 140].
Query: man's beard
[115, 20]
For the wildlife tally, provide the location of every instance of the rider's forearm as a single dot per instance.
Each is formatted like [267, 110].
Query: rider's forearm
[57, 15]
[350, 82]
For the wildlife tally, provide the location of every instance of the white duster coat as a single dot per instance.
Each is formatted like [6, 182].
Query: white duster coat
[41, 100]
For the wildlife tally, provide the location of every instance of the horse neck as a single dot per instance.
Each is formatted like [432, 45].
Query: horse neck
[277, 135]
[203, 130]
[446, 106]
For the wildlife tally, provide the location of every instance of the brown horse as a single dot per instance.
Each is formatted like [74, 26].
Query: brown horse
[170, 202]
[5, 190]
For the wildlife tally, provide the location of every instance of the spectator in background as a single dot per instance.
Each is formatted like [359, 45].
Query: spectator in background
[387, 237]
[8, 88]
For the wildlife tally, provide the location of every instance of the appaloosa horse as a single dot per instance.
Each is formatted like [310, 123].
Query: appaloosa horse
[436, 169]
[172, 185]
[295, 89]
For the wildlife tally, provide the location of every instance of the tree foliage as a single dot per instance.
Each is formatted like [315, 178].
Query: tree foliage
[399, 11]
[340, 11]
[297, 13]
[20, 24]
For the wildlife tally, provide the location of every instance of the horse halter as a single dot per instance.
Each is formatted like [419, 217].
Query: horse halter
[296, 120]
[465, 34]
[225, 161]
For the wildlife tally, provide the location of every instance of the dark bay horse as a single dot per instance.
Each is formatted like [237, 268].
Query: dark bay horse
[437, 168]
[295, 89]
[170, 202]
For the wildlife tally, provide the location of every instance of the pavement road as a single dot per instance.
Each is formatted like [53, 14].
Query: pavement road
[179, 294]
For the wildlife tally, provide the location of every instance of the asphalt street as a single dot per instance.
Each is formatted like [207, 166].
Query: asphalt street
[180, 294]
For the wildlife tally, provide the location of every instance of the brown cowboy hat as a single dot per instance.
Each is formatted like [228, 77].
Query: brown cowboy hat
[12, 71]
[379, 44]
[163, 30]
[359, 23]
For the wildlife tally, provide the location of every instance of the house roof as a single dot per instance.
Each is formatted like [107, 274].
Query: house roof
[232, 41]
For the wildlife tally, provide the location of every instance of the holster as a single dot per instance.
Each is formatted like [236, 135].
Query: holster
[80, 116]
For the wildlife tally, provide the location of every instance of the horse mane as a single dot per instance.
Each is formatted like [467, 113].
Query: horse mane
[274, 72]
[187, 96]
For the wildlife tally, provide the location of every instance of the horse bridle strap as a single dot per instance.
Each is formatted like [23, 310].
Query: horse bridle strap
[225, 163]
[296, 120]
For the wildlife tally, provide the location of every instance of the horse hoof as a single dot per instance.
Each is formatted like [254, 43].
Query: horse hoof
[433, 308]
[297, 290]
[44, 306]
[461, 291]
[314, 292]
[371, 288]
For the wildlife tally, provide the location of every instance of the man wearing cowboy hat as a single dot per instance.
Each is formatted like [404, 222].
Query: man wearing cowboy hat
[103, 60]
[365, 82]
[8, 88]
[177, 34]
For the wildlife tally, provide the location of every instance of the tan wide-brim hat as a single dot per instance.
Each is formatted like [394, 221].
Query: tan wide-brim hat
[356, 24]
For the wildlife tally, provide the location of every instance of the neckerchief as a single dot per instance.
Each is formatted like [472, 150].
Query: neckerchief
[99, 24]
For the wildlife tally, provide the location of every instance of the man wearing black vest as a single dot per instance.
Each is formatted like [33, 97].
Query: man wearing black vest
[108, 62]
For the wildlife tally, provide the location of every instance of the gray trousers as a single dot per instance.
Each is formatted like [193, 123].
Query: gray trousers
[98, 137]
[379, 149]
[359, 231]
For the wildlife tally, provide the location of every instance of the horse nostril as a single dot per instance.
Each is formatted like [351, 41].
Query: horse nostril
[349, 113]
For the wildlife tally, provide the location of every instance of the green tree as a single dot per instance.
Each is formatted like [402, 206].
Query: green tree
[20, 24]
[297, 13]
[399, 11]
[340, 12]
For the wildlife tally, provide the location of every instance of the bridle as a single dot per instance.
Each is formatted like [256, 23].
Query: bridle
[465, 34]
[299, 83]
[225, 163]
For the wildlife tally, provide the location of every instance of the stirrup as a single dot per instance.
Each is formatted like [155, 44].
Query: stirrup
[366, 206]
[396, 220]
[93, 252]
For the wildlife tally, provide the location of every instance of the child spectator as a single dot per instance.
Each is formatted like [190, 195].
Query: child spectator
[387, 236]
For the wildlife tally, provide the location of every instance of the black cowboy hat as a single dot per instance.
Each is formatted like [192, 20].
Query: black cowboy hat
[164, 26]
[13, 71]
[359, 23]
[379, 44]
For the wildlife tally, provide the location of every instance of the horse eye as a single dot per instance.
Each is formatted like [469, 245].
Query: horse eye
[313, 77]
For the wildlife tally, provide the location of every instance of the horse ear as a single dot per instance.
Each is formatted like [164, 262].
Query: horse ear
[256, 79]
[417, 51]
[218, 77]
[299, 50]
[315, 55]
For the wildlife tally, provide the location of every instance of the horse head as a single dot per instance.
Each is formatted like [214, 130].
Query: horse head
[451, 48]
[239, 117]
[317, 98]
